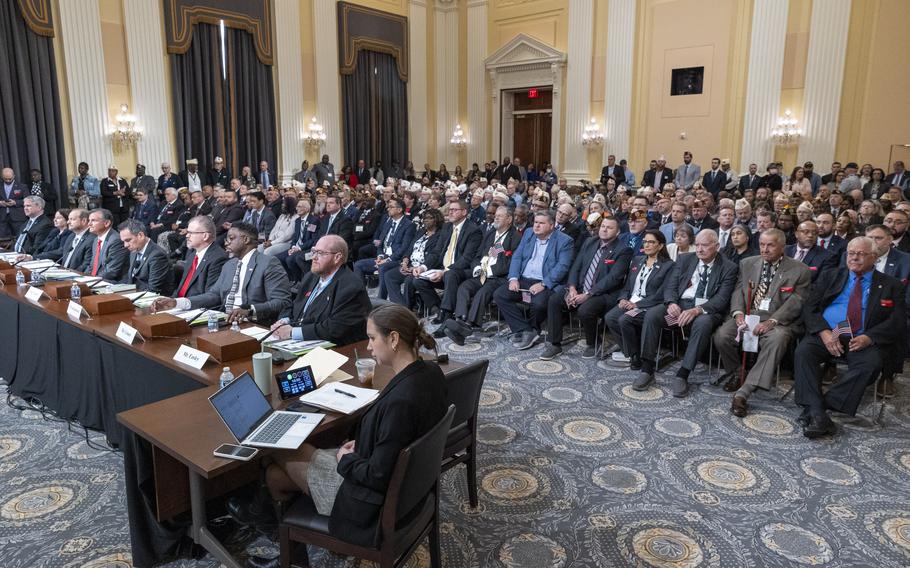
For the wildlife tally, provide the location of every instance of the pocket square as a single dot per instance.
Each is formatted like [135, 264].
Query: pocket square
[887, 303]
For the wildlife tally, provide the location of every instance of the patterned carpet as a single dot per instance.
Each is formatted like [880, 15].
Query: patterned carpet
[577, 469]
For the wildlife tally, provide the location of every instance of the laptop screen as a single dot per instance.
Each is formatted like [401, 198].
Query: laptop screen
[241, 405]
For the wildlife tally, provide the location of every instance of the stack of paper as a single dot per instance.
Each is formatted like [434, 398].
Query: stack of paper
[192, 316]
[145, 298]
[325, 365]
[298, 348]
[60, 274]
[342, 398]
[37, 264]
[255, 332]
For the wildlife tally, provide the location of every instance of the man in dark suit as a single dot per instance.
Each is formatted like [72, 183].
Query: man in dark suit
[115, 195]
[715, 180]
[540, 264]
[204, 260]
[565, 223]
[450, 261]
[808, 252]
[265, 177]
[657, 176]
[854, 313]
[697, 293]
[191, 178]
[231, 212]
[396, 234]
[699, 218]
[827, 239]
[750, 180]
[12, 194]
[898, 222]
[149, 268]
[592, 287]
[335, 224]
[489, 271]
[303, 238]
[168, 214]
[258, 215]
[36, 228]
[76, 248]
[108, 258]
[324, 171]
[509, 171]
[44, 190]
[829, 177]
[219, 175]
[362, 172]
[332, 304]
[251, 285]
[146, 208]
[613, 170]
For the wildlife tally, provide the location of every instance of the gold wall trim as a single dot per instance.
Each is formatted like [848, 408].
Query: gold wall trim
[366, 28]
[254, 17]
[37, 16]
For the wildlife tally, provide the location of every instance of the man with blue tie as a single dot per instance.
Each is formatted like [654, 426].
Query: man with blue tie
[36, 228]
[258, 215]
[396, 234]
[540, 264]
[264, 177]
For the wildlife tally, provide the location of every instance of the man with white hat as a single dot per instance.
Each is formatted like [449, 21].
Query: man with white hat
[476, 211]
[115, 194]
[219, 174]
[190, 177]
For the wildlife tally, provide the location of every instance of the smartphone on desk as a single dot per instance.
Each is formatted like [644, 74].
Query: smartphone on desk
[234, 452]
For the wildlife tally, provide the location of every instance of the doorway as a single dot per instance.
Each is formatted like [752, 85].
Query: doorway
[527, 124]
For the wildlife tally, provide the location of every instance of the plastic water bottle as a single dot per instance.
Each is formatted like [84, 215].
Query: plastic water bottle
[213, 323]
[235, 325]
[75, 292]
[20, 278]
[35, 278]
[226, 377]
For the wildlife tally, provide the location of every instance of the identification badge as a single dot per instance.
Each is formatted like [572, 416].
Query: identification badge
[358, 229]
[765, 305]
[526, 297]
[311, 227]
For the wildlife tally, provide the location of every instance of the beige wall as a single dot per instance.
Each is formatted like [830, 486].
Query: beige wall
[117, 72]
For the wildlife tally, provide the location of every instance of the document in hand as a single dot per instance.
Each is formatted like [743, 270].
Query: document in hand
[325, 365]
[342, 398]
[430, 274]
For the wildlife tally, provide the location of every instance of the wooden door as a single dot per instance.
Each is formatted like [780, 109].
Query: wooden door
[531, 138]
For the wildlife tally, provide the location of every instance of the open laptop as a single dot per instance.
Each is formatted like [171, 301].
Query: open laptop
[250, 418]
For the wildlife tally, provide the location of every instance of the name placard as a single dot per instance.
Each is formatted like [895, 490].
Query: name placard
[34, 294]
[126, 333]
[75, 310]
[192, 357]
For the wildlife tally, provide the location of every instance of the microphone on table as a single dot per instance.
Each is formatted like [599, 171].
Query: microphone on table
[268, 335]
[137, 298]
[95, 283]
[45, 269]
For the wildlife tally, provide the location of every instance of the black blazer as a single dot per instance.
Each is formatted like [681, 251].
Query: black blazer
[836, 245]
[412, 403]
[465, 248]
[619, 174]
[817, 259]
[648, 178]
[338, 314]
[718, 184]
[431, 243]
[721, 282]
[154, 273]
[509, 244]
[208, 269]
[168, 213]
[77, 260]
[343, 226]
[146, 212]
[708, 222]
[654, 288]
[576, 232]
[231, 214]
[885, 321]
[53, 241]
[114, 262]
[39, 231]
[745, 183]
[610, 274]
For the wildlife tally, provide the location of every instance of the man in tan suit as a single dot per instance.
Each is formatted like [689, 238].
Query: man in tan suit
[779, 286]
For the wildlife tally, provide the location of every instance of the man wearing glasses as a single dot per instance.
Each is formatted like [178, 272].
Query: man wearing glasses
[202, 265]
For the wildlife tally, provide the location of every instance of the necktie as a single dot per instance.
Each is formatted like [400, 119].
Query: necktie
[137, 264]
[189, 277]
[592, 268]
[449, 257]
[391, 233]
[69, 255]
[235, 287]
[316, 291]
[702, 281]
[96, 261]
[328, 226]
[21, 240]
[686, 174]
[801, 255]
[823, 244]
[723, 239]
[265, 180]
[254, 219]
[767, 273]
[303, 228]
[855, 304]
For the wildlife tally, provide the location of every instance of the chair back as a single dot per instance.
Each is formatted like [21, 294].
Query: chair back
[416, 472]
[464, 386]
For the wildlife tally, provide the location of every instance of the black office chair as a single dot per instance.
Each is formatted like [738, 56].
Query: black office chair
[464, 392]
[410, 513]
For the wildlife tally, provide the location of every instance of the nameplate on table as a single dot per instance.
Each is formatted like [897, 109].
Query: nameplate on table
[127, 333]
[34, 294]
[192, 357]
[75, 310]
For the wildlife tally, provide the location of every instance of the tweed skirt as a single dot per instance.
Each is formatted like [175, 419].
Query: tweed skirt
[323, 479]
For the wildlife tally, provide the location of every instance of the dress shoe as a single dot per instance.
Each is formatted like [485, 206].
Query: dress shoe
[550, 352]
[618, 357]
[635, 362]
[819, 426]
[440, 332]
[804, 418]
[732, 384]
[680, 387]
[257, 511]
[262, 562]
[528, 340]
[456, 337]
[885, 388]
[739, 407]
[460, 326]
[440, 318]
[643, 381]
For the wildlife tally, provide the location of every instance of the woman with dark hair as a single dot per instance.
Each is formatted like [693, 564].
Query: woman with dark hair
[644, 288]
[279, 239]
[58, 234]
[739, 246]
[424, 241]
[876, 186]
[683, 239]
[349, 483]
[844, 227]
[799, 183]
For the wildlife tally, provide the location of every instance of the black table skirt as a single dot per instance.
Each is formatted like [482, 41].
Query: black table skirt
[87, 378]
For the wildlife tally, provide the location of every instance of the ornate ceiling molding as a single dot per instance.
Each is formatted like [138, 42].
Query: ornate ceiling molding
[37, 16]
[373, 30]
[253, 17]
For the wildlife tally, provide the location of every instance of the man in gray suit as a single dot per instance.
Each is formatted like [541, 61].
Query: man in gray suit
[778, 286]
[108, 259]
[149, 268]
[76, 248]
[252, 284]
[687, 173]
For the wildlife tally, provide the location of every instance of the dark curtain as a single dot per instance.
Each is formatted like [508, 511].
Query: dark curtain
[199, 99]
[251, 104]
[31, 134]
[375, 110]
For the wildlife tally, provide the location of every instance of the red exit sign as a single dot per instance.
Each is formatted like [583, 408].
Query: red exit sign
[533, 94]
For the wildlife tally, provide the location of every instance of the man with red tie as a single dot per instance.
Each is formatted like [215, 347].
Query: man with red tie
[203, 263]
[109, 259]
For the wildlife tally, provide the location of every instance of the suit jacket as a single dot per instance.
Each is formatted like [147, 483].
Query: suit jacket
[610, 273]
[153, 273]
[308, 228]
[904, 181]
[265, 222]
[208, 269]
[708, 222]
[654, 288]
[556, 261]
[412, 403]
[53, 241]
[721, 281]
[146, 212]
[266, 287]
[686, 178]
[648, 178]
[220, 177]
[574, 232]
[835, 245]
[82, 252]
[715, 183]
[669, 230]
[338, 314]
[365, 226]
[817, 259]
[787, 291]
[231, 214]
[509, 244]
[466, 246]
[184, 176]
[619, 174]
[885, 321]
[114, 262]
[746, 183]
[273, 179]
[168, 213]
[403, 236]
[40, 229]
[351, 211]
[904, 244]
[18, 192]
[324, 172]
[342, 226]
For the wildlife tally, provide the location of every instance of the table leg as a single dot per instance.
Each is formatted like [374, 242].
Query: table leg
[199, 531]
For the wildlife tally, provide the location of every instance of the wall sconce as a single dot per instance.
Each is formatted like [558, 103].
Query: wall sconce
[592, 135]
[315, 135]
[787, 131]
[125, 132]
[458, 139]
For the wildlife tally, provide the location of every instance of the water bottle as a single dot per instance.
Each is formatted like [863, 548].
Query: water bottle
[213, 322]
[226, 377]
[235, 325]
[35, 278]
[75, 292]
[20, 278]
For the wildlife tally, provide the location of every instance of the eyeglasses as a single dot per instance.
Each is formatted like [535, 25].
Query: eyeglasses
[317, 252]
[858, 253]
[650, 242]
[197, 232]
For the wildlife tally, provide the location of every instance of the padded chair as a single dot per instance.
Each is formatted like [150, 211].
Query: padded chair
[410, 513]
[464, 393]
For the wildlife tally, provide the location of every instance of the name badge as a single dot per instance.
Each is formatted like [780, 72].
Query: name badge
[75, 310]
[192, 357]
[526, 297]
[765, 305]
[700, 301]
[126, 333]
[311, 227]
[358, 229]
[34, 294]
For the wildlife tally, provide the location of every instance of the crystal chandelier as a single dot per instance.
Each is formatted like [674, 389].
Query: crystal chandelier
[125, 132]
[458, 140]
[592, 135]
[787, 131]
[315, 135]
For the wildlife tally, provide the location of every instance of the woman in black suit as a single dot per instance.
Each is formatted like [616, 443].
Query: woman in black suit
[424, 240]
[349, 483]
[57, 235]
[739, 245]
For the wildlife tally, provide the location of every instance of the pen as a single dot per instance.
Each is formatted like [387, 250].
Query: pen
[345, 393]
